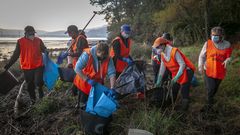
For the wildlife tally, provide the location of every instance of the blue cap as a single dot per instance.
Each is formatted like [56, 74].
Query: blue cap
[126, 28]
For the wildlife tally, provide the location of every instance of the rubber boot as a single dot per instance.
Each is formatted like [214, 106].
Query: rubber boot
[40, 92]
[31, 91]
[185, 104]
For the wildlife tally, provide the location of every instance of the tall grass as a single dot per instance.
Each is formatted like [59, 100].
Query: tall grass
[224, 120]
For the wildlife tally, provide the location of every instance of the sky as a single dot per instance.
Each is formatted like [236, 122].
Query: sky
[48, 15]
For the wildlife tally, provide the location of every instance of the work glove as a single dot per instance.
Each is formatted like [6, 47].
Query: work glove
[174, 80]
[63, 55]
[128, 60]
[111, 93]
[156, 57]
[91, 82]
[226, 62]
[159, 80]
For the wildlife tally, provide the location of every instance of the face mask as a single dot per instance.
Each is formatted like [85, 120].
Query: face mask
[125, 35]
[159, 50]
[215, 39]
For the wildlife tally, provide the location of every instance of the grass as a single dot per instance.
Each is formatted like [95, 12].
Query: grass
[47, 106]
[224, 119]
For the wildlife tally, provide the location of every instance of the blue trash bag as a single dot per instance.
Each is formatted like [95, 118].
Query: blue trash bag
[194, 81]
[101, 101]
[50, 72]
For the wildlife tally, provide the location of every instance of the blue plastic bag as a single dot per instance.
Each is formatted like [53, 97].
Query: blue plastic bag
[100, 102]
[50, 72]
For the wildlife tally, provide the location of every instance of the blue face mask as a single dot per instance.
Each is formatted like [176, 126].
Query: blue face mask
[215, 39]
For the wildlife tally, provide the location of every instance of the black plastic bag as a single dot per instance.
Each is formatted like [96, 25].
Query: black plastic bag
[131, 80]
[7, 82]
[66, 74]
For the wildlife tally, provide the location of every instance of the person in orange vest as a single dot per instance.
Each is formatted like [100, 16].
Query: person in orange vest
[30, 49]
[181, 69]
[213, 60]
[79, 43]
[120, 49]
[156, 57]
[92, 67]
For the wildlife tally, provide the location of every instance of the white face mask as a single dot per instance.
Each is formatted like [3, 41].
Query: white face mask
[159, 50]
[31, 37]
[125, 35]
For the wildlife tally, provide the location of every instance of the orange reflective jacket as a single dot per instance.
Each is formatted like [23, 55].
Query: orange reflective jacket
[215, 59]
[74, 48]
[173, 65]
[124, 52]
[90, 72]
[30, 53]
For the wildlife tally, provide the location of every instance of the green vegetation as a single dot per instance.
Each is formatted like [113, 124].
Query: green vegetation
[47, 106]
[186, 20]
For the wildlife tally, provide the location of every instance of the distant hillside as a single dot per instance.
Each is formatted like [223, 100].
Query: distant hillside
[94, 32]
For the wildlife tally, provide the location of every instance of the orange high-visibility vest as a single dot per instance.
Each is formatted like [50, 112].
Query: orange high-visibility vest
[74, 48]
[215, 59]
[124, 52]
[30, 53]
[173, 65]
[90, 72]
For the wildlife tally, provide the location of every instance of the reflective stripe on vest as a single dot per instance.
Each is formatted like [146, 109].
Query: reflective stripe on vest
[214, 60]
[124, 52]
[74, 48]
[30, 53]
[173, 65]
[90, 72]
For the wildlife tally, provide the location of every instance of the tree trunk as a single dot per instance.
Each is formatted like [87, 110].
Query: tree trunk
[206, 17]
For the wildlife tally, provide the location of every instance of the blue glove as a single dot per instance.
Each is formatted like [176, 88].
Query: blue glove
[63, 55]
[91, 82]
[128, 60]
[113, 93]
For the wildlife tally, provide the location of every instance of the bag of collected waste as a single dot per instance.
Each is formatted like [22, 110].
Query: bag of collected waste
[93, 124]
[50, 72]
[131, 80]
[7, 82]
[66, 74]
[101, 101]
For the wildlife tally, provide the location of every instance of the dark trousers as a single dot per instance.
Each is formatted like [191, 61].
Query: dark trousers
[34, 78]
[82, 97]
[212, 85]
[184, 87]
[155, 70]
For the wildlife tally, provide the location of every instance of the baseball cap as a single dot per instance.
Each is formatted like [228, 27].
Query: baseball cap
[29, 30]
[72, 28]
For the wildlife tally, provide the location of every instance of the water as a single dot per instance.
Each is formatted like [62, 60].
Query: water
[8, 44]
